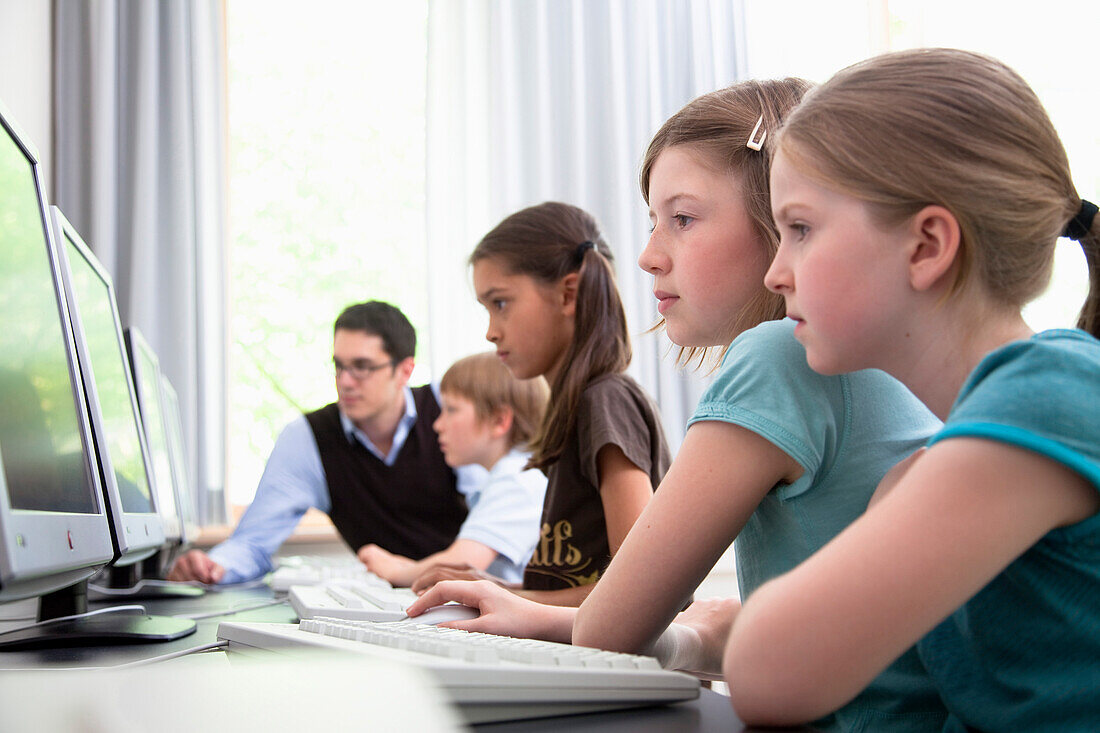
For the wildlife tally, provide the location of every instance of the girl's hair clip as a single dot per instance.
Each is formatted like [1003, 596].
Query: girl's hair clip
[752, 143]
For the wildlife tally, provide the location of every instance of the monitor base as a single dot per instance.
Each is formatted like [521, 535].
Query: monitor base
[100, 629]
[144, 590]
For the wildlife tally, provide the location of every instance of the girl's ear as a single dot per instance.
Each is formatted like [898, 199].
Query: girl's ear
[568, 293]
[935, 248]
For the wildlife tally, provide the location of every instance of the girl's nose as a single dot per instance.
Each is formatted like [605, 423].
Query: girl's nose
[779, 278]
[653, 258]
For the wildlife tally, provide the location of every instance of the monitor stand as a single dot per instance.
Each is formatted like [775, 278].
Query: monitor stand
[138, 582]
[65, 622]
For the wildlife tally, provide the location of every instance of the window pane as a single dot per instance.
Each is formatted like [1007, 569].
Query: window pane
[326, 124]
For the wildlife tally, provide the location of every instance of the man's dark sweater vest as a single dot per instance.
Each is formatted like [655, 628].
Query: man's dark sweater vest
[411, 508]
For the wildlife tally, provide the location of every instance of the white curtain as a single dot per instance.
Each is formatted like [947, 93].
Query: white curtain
[535, 100]
[140, 172]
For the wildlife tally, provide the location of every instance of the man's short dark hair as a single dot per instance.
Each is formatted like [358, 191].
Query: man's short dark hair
[383, 320]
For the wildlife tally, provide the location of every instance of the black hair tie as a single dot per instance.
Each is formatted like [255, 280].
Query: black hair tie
[582, 248]
[1079, 226]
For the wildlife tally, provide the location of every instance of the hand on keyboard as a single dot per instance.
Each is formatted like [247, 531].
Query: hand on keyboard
[502, 612]
[445, 614]
[441, 572]
[196, 565]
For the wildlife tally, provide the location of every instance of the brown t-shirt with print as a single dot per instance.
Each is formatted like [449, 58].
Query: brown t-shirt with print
[573, 548]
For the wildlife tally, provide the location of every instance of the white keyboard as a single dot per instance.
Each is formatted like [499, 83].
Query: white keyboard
[351, 599]
[307, 570]
[489, 677]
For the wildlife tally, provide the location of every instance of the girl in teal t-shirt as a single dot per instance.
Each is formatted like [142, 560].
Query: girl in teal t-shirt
[919, 196]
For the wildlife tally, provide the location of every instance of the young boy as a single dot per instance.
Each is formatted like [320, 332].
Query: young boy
[487, 418]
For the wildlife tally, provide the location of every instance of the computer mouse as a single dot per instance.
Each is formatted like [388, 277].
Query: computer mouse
[446, 612]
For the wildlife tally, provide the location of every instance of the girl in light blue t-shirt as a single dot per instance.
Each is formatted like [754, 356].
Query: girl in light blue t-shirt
[918, 197]
[777, 456]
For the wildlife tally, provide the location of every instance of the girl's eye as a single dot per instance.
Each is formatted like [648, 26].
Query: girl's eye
[800, 230]
[498, 305]
[683, 220]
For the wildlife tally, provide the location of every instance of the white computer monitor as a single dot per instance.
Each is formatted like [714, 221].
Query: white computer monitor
[146, 372]
[54, 523]
[124, 461]
[181, 467]
[54, 529]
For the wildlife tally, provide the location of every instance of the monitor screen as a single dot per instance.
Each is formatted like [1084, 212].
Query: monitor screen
[146, 371]
[120, 431]
[40, 435]
[53, 527]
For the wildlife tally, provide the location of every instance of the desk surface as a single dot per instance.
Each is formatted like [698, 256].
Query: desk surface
[711, 712]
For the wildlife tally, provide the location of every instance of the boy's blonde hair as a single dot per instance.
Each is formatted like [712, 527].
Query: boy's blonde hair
[716, 128]
[487, 383]
[955, 129]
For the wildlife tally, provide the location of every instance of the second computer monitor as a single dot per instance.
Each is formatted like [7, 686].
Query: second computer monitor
[116, 427]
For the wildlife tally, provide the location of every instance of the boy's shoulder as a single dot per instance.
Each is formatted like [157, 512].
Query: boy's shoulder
[512, 462]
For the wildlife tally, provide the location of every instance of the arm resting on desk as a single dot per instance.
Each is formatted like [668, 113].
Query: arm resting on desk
[402, 571]
[293, 481]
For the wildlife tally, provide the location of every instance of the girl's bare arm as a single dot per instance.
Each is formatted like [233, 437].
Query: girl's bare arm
[720, 475]
[809, 641]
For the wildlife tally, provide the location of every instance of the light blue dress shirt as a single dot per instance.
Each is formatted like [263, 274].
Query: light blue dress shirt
[294, 481]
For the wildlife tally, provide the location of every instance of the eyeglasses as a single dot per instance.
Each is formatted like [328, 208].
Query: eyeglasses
[360, 368]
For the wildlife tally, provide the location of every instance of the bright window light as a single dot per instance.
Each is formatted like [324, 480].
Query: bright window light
[327, 144]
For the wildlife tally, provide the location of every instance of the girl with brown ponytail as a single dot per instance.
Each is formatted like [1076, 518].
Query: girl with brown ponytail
[545, 276]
